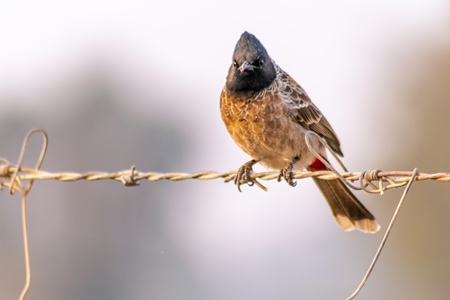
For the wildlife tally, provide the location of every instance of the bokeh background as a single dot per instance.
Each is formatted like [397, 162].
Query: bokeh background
[121, 83]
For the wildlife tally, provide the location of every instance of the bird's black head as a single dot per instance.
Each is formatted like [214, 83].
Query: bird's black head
[252, 69]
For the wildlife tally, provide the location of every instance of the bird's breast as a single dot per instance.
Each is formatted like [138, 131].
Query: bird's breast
[261, 126]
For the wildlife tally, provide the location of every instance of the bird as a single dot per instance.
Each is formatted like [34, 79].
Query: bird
[267, 113]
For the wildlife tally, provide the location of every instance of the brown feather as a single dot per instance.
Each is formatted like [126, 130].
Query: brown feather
[268, 115]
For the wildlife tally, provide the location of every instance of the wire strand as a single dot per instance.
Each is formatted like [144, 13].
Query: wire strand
[393, 179]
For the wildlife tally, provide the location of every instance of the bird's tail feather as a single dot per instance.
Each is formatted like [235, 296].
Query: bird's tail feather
[350, 214]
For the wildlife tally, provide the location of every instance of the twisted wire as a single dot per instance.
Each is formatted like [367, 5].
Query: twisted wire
[371, 181]
[131, 177]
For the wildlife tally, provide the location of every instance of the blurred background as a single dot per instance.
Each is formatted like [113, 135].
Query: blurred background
[121, 83]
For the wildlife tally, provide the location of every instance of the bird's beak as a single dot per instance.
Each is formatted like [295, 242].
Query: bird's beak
[246, 66]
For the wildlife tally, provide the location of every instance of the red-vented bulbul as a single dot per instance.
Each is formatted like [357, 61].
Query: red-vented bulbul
[268, 114]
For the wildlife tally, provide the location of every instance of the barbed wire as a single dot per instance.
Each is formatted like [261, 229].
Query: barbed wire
[372, 181]
[15, 174]
[131, 177]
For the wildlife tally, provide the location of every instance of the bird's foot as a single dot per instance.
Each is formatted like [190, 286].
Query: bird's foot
[243, 175]
[286, 173]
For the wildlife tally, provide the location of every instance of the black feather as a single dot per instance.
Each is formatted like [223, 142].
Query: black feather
[262, 72]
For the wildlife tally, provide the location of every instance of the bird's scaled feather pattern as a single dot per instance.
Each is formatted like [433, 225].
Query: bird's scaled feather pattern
[268, 114]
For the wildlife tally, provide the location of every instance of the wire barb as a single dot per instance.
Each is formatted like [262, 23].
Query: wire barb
[130, 180]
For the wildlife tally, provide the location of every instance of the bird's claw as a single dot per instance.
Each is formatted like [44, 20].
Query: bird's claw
[243, 175]
[287, 174]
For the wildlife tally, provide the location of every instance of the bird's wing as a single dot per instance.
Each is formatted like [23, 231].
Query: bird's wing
[304, 111]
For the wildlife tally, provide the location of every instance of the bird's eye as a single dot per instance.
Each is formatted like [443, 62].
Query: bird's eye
[260, 62]
[235, 64]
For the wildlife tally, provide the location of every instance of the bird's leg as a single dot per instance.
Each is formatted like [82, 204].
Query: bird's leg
[243, 174]
[286, 172]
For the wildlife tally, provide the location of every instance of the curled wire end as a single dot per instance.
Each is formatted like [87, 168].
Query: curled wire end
[129, 180]
[372, 175]
[14, 180]
[5, 170]
[366, 178]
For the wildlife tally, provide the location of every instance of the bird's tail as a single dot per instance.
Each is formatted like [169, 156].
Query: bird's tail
[350, 214]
